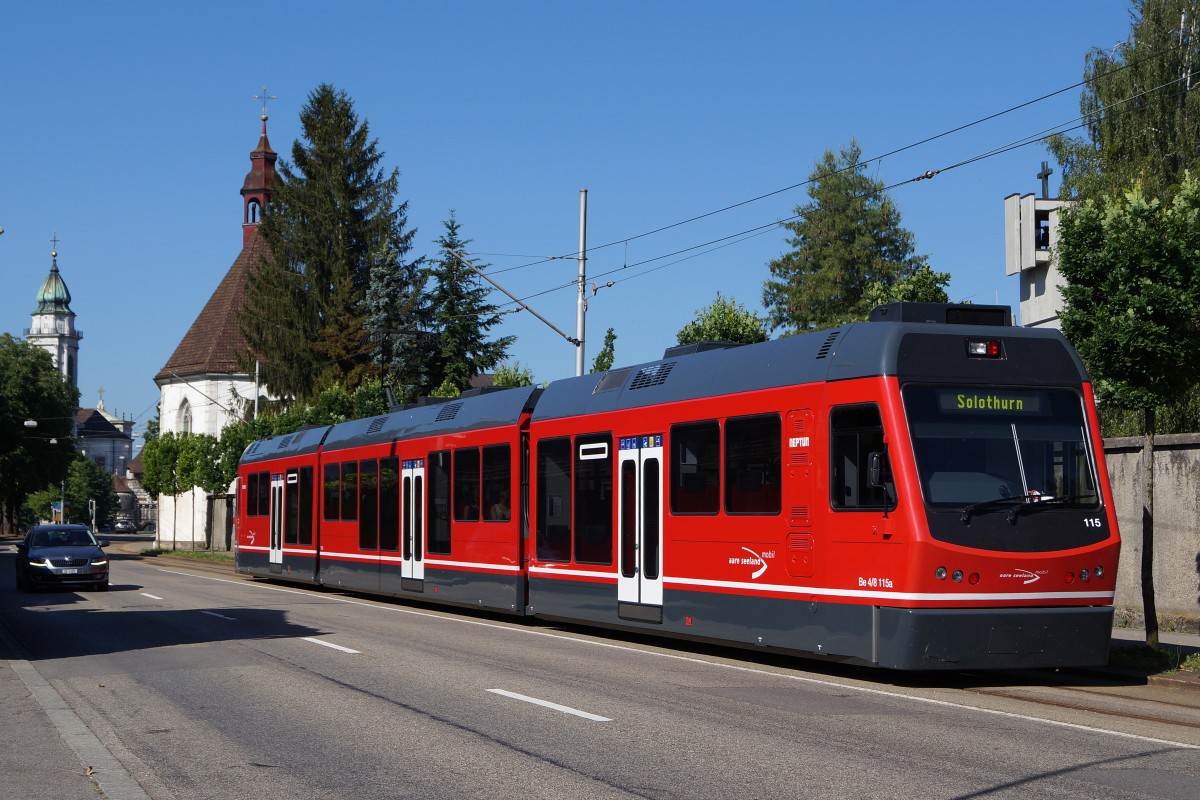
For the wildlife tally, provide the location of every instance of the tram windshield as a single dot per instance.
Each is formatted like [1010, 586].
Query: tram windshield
[974, 445]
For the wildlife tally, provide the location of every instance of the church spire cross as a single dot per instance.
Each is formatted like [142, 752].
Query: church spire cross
[54, 244]
[265, 99]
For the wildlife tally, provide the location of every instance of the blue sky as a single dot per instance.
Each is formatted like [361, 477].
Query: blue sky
[127, 129]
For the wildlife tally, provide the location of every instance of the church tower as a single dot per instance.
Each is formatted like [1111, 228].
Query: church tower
[203, 387]
[53, 327]
[256, 189]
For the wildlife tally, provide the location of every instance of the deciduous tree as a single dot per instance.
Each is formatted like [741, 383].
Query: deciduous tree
[31, 457]
[1140, 108]
[1132, 310]
[724, 320]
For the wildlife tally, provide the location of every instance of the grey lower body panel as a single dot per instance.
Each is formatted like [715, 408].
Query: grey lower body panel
[895, 638]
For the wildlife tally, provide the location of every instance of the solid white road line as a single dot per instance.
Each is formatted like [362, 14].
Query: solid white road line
[548, 704]
[215, 614]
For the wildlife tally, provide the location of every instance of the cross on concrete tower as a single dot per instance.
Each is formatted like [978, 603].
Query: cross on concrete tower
[1045, 176]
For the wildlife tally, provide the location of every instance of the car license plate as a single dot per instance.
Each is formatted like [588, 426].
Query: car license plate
[71, 571]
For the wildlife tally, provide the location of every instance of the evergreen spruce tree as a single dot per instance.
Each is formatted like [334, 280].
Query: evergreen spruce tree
[846, 239]
[333, 215]
[462, 314]
[399, 321]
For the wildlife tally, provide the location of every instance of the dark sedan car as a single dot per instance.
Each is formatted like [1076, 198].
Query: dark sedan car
[61, 555]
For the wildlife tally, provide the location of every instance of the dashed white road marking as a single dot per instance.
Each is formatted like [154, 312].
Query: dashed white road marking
[547, 704]
[330, 645]
[215, 614]
[151, 596]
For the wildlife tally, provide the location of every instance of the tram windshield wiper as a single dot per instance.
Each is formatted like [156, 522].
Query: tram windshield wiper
[1040, 503]
[988, 505]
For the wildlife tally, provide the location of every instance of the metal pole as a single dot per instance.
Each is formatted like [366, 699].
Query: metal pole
[581, 305]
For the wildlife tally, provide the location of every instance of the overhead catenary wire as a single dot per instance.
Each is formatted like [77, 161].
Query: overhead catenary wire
[1074, 124]
[538, 260]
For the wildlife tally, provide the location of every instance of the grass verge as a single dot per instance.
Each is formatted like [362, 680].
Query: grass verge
[1143, 658]
[199, 555]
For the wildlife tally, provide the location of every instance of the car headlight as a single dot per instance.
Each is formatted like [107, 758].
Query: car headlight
[99, 562]
[40, 562]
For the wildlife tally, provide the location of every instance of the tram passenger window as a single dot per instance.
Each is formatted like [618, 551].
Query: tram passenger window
[439, 502]
[252, 494]
[389, 503]
[349, 490]
[466, 484]
[593, 499]
[497, 483]
[753, 448]
[554, 500]
[333, 492]
[855, 433]
[306, 506]
[696, 468]
[264, 494]
[368, 495]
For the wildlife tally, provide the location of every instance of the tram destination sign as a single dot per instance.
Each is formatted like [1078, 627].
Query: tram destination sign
[997, 402]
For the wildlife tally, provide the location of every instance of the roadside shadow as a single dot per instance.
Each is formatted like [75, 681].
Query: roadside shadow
[48, 624]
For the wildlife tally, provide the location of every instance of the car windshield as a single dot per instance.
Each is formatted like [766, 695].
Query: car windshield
[62, 538]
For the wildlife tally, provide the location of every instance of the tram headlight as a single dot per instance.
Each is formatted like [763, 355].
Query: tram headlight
[940, 573]
[1084, 575]
[957, 576]
[1099, 573]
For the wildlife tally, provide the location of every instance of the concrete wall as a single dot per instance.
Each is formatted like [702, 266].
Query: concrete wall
[1176, 521]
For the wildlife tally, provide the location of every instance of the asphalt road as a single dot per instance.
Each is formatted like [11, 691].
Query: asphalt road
[203, 685]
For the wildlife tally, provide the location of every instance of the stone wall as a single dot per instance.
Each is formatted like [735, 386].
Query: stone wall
[1176, 525]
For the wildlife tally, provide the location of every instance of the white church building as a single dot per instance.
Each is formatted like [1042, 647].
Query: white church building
[202, 387]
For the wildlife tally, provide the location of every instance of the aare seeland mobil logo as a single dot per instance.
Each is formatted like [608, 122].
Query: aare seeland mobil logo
[1026, 576]
[753, 560]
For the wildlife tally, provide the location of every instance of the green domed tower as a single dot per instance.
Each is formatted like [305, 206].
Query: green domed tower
[53, 327]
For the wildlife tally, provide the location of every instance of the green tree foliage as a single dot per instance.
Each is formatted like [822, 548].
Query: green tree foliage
[1142, 115]
[85, 480]
[604, 359]
[332, 225]
[922, 285]
[30, 458]
[447, 390]
[399, 321]
[847, 238]
[160, 462]
[462, 314]
[1132, 310]
[724, 320]
[513, 375]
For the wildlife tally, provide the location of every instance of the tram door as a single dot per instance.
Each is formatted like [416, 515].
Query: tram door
[276, 557]
[412, 525]
[639, 528]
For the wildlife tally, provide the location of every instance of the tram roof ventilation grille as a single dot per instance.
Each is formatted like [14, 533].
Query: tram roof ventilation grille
[285, 441]
[376, 425]
[827, 345]
[612, 381]
[448, 412]
[651, 376]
